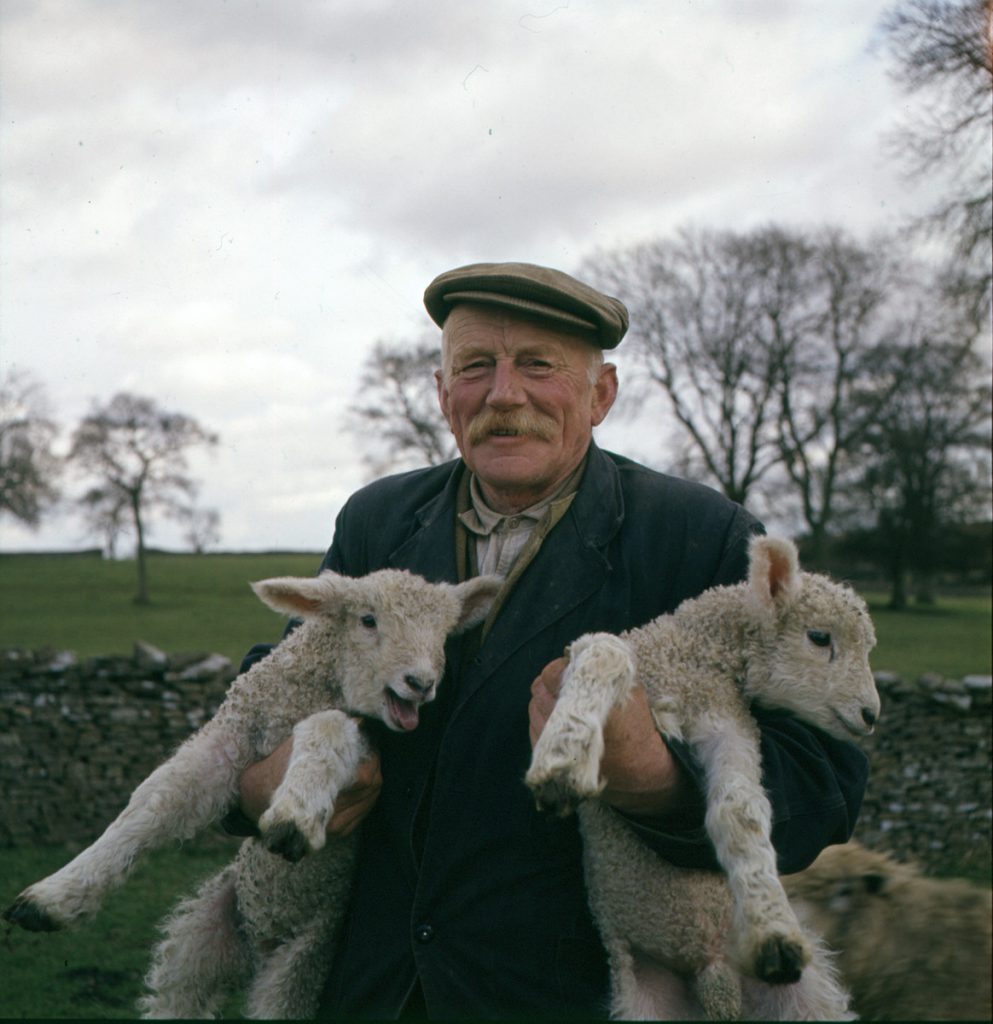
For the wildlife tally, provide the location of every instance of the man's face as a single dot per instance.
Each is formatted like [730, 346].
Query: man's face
[519, 400]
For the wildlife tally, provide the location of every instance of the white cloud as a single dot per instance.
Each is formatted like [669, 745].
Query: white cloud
[224, 204]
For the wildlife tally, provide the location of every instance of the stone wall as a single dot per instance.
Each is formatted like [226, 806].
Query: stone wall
[76, 736]
[930, 794]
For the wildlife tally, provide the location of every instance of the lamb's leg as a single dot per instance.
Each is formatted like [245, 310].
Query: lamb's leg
[181, 797]
[565, 764]
[327, 749]
[767, 940]
[201, 956]
[288, 981]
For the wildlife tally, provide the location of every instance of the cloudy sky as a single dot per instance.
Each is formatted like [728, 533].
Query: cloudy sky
[223, 204]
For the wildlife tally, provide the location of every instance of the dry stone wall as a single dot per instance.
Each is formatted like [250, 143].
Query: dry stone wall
[77, 735]
[930, 794]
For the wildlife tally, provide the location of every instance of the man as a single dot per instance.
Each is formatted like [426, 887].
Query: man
[469, 902]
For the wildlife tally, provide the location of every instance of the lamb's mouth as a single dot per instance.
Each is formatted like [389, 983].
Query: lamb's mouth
[404, 714]
[861, 729]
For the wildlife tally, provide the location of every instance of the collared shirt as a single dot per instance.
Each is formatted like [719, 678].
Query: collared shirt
[500, 539]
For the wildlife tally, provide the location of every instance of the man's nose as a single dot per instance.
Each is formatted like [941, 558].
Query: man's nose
[506, 388]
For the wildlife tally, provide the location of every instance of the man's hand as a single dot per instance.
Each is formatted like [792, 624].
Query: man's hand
[642, 777]
[260, 780]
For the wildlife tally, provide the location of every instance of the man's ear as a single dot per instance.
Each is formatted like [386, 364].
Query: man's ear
[604, 393]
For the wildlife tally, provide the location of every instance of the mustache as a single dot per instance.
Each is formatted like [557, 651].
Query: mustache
[521, 422]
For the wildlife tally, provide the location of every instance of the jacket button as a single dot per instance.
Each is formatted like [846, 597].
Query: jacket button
[424, 933]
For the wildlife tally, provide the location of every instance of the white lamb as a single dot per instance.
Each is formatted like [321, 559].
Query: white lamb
[371, 647]
[685, 943]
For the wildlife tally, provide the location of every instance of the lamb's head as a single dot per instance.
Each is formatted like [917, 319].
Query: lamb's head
[384, 634]
[815, 635]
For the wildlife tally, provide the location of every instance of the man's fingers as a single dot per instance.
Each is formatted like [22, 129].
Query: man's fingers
[358, 799]
[544, 694]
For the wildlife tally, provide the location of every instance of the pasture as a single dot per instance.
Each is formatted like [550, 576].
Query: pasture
[83, 603]
[204, 603]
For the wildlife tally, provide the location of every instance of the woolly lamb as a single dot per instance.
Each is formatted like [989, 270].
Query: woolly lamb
[909, 947]
[684, 942]
[370, 647]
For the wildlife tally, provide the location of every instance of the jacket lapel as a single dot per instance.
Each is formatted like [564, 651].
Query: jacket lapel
[430, 550]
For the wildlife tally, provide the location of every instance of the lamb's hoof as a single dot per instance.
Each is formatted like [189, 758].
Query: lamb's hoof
[551, 795]
[30, 916]
[781, 961]
[286, 840]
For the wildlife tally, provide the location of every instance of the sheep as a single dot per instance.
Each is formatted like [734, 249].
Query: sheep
[909, 947]
[370, 647]
[684, 942]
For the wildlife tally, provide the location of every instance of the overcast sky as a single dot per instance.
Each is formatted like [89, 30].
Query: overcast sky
[223, 204]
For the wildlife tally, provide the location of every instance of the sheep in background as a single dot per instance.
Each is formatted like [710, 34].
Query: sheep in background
[908, 947]
[682, 943]
[371, 647]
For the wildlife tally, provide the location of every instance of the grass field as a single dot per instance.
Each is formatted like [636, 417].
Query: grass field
[953, 637]
[84, 603]
[96, 969]
[203, 603]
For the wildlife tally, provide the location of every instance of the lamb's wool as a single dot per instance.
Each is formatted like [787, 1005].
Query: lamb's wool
[685, 943]
[370, 647]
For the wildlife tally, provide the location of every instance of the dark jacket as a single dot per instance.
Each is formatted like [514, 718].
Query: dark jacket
[461, 881]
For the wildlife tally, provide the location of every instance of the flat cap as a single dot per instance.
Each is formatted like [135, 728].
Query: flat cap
[541, 292]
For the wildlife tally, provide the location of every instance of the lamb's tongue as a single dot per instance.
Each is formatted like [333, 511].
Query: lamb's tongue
[405, 712]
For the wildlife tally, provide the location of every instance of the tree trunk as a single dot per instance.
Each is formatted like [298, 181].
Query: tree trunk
[140, 555]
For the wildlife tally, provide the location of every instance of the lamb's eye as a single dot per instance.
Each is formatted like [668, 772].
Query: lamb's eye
[819, 637]
[369, 621]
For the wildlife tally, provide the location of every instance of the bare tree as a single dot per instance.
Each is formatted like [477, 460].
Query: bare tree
[927, 452]
[202, 528]
[29, 467]
[699, 333]
[942, 52]
[398, 416]
[853, 295]
[137, 454]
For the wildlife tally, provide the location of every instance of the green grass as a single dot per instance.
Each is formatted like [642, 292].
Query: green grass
[203, 603]
[95, 969]
[953, 637]
[85, 604]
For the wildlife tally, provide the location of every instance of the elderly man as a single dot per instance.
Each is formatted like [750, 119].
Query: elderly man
[469, 902]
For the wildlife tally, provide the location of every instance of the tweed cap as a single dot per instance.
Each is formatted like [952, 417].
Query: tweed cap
[541, 292]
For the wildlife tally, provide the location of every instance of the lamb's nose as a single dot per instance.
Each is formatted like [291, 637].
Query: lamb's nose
[417, 684]
[869, 717]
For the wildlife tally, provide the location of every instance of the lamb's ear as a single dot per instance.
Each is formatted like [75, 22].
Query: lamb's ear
[477, 596]
[774, 569]
[295, 595]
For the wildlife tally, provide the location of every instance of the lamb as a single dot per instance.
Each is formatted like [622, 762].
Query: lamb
[371, 647]
[682, 943]
[909, 947]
